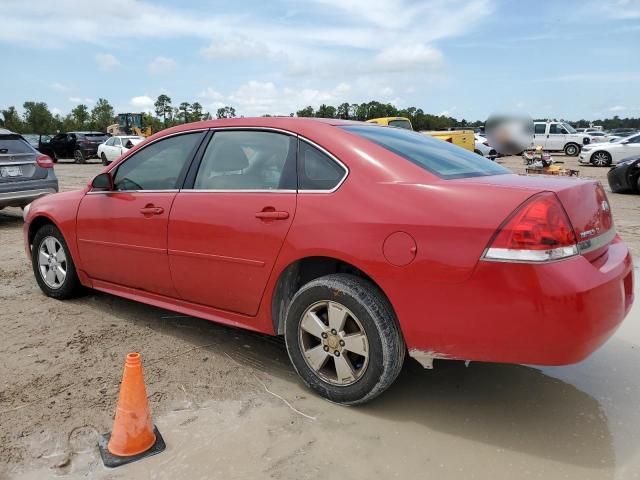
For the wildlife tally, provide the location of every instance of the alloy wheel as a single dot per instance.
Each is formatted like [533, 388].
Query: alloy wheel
[334, 343]
[600, 159]
[52, 262]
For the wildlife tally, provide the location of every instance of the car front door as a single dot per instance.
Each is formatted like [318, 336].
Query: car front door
[122, 234]
[229, 222]
[630, 147]
[556, 137]
[540, 135]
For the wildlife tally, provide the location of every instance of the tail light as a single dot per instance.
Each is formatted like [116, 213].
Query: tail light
[538, 231]
[44, 161]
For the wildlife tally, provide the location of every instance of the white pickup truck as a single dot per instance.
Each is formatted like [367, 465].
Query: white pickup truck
[559, 136]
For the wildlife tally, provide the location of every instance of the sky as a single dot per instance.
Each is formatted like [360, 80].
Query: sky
[462, 58]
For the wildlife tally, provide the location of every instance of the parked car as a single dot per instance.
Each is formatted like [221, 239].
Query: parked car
[25, 173]
[623, 131]
[245, 222]
[483, 148]
[606, 154]
[599, 137]
[116, 146]
[80, 146]
[625, 176]
[559, 137]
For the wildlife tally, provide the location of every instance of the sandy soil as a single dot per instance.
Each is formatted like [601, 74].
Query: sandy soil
[230, 406]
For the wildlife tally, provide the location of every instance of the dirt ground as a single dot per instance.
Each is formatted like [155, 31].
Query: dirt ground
[230, 406]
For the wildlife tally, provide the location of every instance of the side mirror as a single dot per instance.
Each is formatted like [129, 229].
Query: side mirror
[624, 142]
[104, 182]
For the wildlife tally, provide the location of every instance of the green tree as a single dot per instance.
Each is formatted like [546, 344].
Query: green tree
[326, 111]
[196, 112]
[185, 110]
[306, 112]
[343, 111]
[37, 118]
[102, 115]
[163, 107]
[81, 117]
[226, 112]
[12, 121]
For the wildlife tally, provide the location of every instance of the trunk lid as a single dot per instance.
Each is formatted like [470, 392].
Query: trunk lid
[18, 160]
[585, 202]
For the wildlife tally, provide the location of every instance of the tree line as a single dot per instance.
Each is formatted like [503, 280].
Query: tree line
[37, 118]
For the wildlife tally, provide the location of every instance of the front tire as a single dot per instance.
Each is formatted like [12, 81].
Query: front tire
[601, 159]
[52, 264]
[571, 150]
[105, 162]
[343, 338]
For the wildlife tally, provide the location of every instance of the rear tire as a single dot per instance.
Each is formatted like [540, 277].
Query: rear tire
[572, 150]
[601, 159]
[52, 264]
[78, 156]
[351, 355]
[105, 162]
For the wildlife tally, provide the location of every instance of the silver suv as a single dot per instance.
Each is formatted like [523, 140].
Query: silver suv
[25, 173]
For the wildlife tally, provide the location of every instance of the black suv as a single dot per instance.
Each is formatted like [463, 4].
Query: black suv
[77, 145]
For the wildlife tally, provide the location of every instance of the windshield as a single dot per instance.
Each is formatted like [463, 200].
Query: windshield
[569, 128]
[401, 124]
[436, 156]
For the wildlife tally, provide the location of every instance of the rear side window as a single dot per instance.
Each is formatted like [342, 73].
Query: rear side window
[14, 144]
[158, 166]
[436, 156]
[316, 170]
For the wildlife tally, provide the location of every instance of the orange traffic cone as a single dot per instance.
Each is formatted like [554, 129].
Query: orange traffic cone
[133, 436]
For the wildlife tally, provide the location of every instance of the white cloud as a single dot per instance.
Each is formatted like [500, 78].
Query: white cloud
[408, 57]
[617, 108]
[161, 65]
[235, 47]
[59, 87]
[143, 103]
[259, 98]
[81, 100]
[106, 61]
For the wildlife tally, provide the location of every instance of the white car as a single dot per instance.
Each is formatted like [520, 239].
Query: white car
[483, 148]
[116, 146]
[558, 137]
[599, 137]
[605, 154]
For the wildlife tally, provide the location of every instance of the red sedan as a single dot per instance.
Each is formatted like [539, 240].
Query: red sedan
[359, 243]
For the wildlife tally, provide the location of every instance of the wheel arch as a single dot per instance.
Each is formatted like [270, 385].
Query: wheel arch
[37, 223]
[301, 272]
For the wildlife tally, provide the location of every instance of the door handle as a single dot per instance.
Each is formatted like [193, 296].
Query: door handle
[272, 215]
[151, 210]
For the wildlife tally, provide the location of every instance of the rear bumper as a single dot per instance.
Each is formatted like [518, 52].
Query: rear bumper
[552, 314]
[89, 152]
[19, 194]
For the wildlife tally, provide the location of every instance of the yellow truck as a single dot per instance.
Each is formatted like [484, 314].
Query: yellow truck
[461, 138]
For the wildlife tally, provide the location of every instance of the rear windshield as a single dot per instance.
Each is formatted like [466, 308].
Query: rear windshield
[92, 136]
[14, 144]
[401, 124]
[436, 156]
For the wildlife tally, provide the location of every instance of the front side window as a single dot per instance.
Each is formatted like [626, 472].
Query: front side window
[116, 142]
[109, 142]
[434, 155]
[557, 129]
[635, 139]
[248, 160]
[158, 166]
[540, 128]
[316, 170]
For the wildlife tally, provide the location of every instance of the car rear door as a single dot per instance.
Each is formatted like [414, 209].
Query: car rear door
[229, 222]
[122, 234]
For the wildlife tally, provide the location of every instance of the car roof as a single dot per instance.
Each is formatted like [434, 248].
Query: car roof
[86, 132]
[4, 131]
[291, 124]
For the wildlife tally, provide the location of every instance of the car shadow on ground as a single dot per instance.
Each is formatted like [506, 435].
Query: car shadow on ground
[516, 408]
